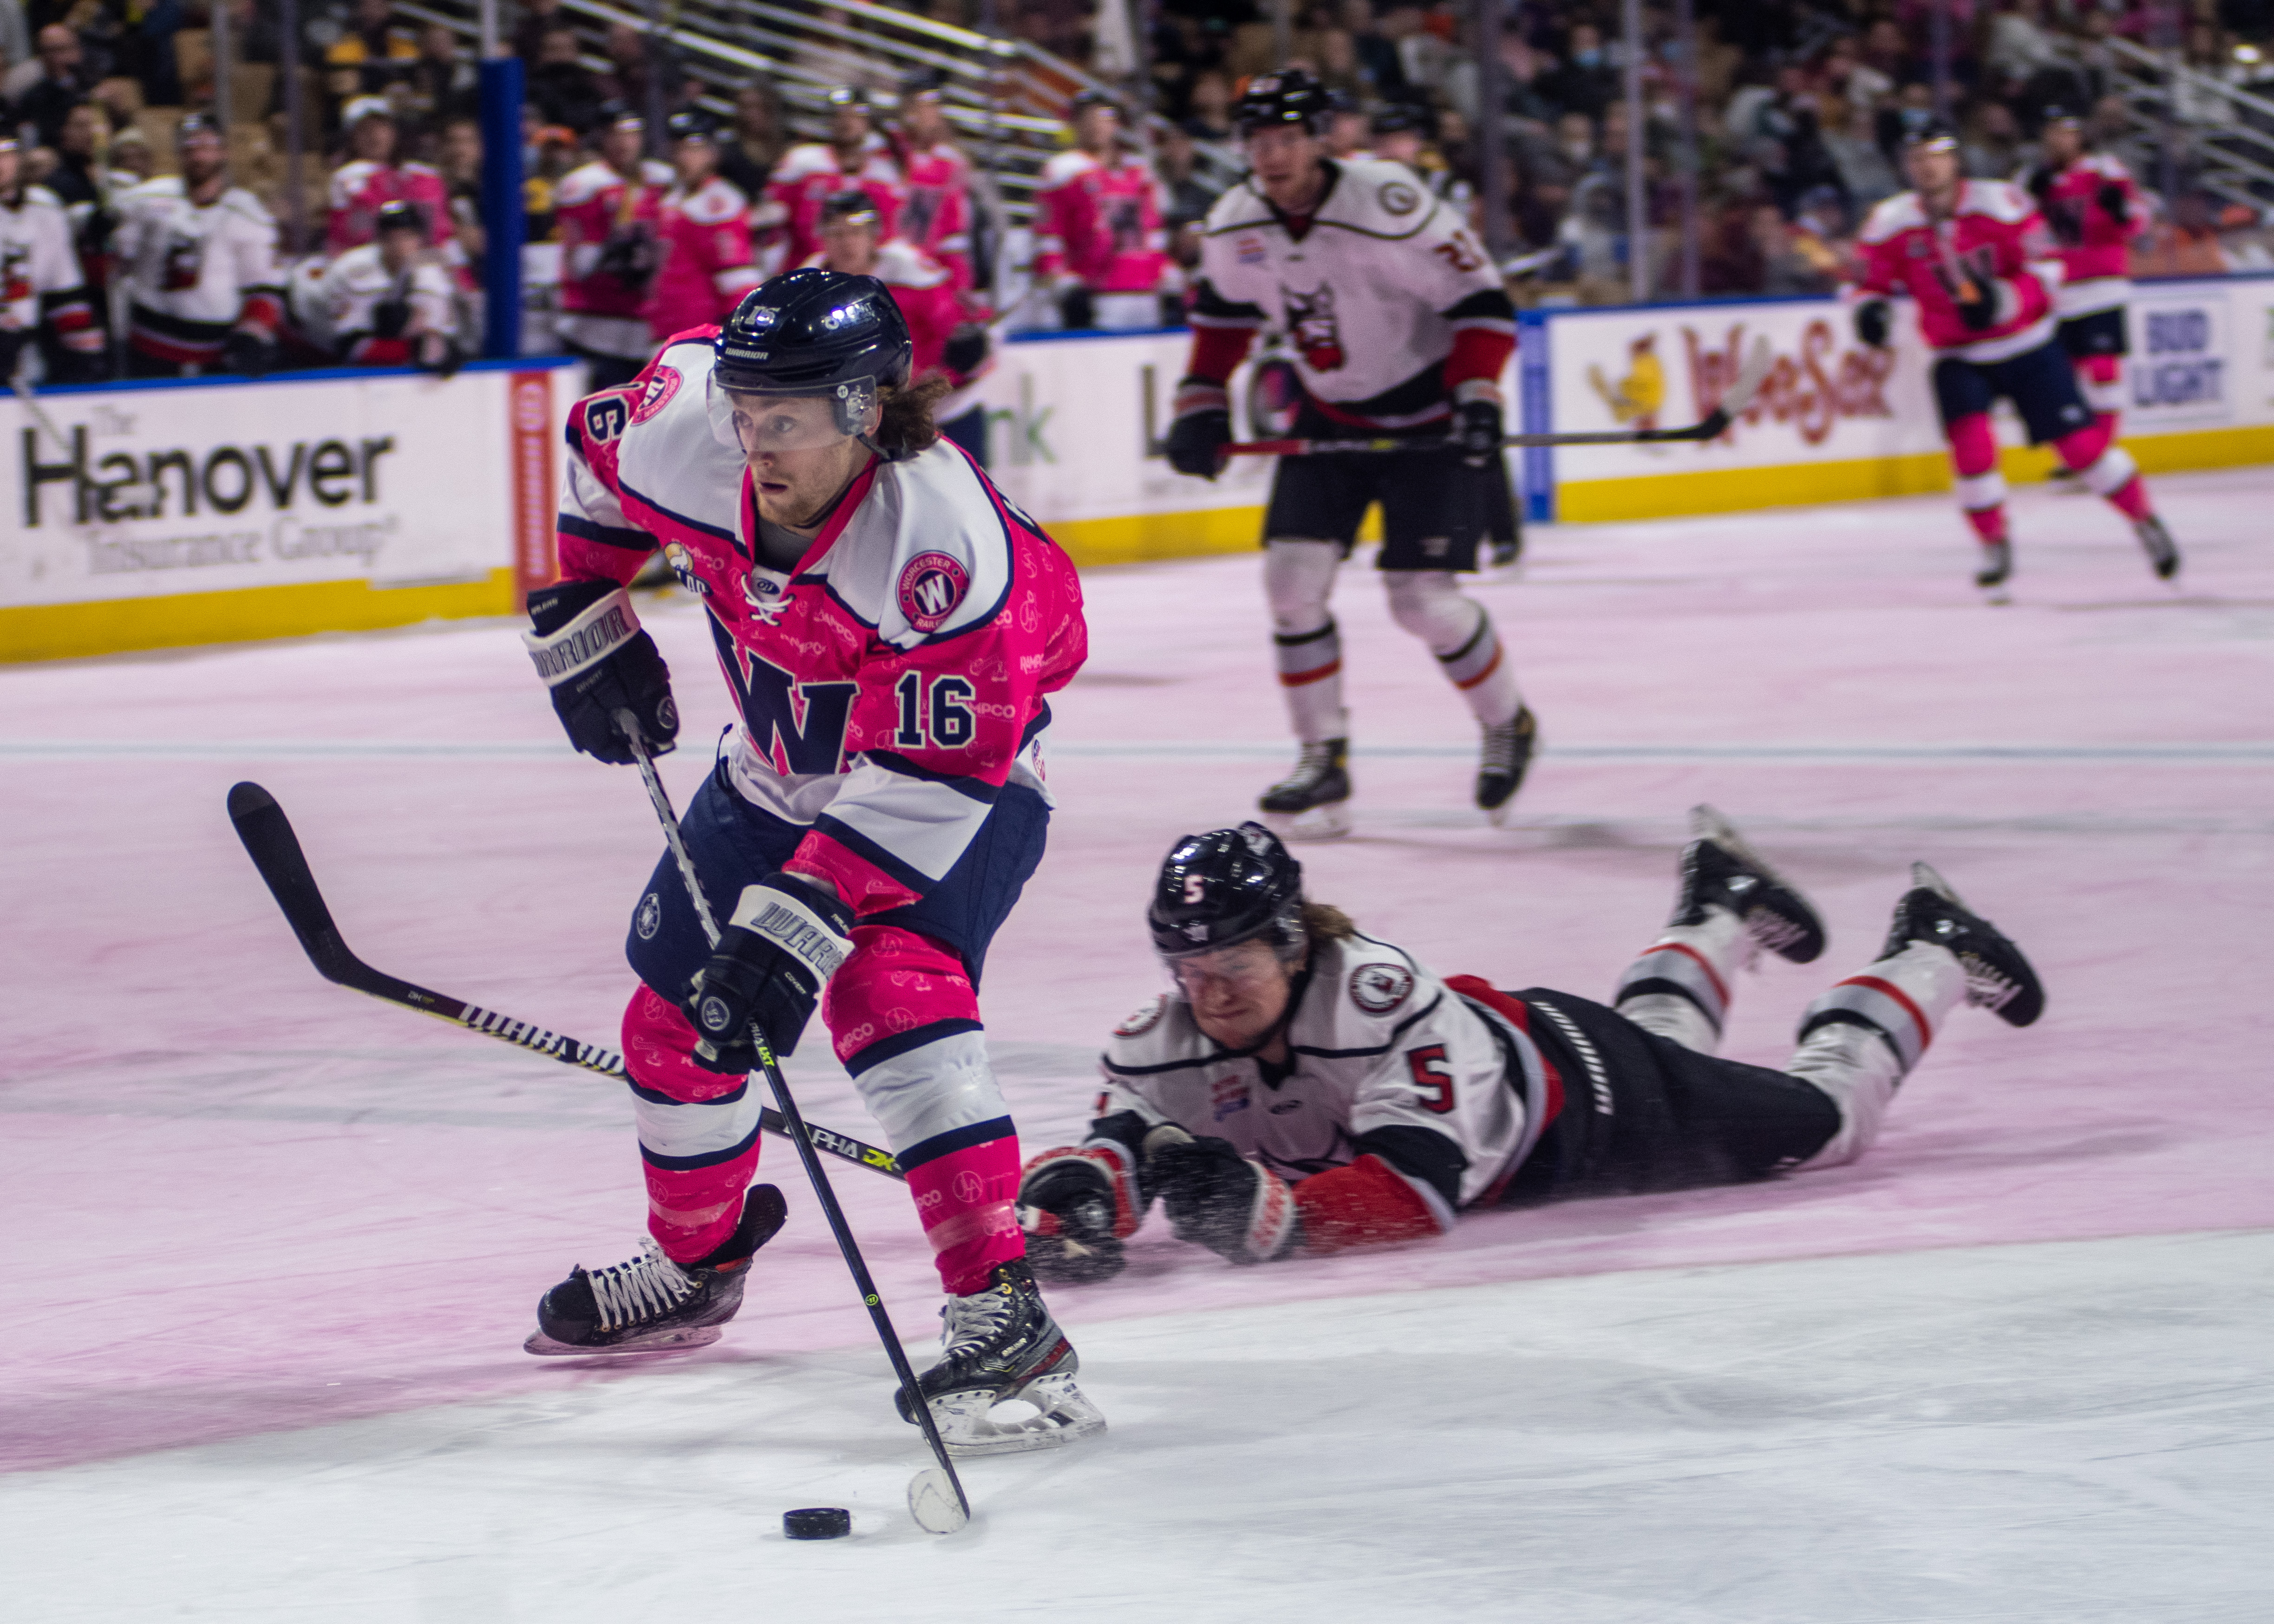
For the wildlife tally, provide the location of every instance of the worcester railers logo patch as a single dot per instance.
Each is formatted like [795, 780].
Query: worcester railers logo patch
[931, 585]
[1378, 988]
[660, 388]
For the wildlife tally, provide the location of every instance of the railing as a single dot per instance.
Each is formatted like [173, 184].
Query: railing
[2230, 157]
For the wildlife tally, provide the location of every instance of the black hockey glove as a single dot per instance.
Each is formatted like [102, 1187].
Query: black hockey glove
[1872, 321]
[12, 341]
[1077, 309]
[437, 354]
[248, 352]
[1218, 1198]
[2040, 184]
[1196, 442]
[1066, 1206]
[965, 351]
[631, 259]
[1478, 429]
[589, 648]
[1980, 312]
[785, 942]
[2111, 196]
[389, 317]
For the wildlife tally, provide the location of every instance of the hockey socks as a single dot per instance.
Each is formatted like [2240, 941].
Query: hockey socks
[1459, 632]
[1862, 1038]
[1680, 986]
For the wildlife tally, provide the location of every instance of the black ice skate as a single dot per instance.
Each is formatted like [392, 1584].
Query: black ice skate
[651, 1305]
[1721, 870]
[1311, 802]
[1002, 1344]
[2163, 553]
[1998, 978]
[1997, 565]
[1500, 769]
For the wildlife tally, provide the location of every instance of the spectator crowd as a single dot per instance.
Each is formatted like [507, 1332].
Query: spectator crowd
[148, 227]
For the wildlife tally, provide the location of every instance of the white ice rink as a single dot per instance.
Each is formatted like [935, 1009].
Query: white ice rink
[272, 1247]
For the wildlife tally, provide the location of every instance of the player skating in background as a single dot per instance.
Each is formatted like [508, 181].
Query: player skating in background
[704, 263]
[889, 627]
[1304, 1089]
[1978, 261]
[2095, 211]
[853, 158]
[1101, 250]
[1398, 326]
[605, 212]
[936, 214]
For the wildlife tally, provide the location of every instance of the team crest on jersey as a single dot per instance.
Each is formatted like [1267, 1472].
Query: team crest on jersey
[650, 918]
[931, 585]
[1397, 198]
[1378, 988]
[1228, 1095]
[1311, 325]
[682, 563]
[1142, 1021]
[661, 388]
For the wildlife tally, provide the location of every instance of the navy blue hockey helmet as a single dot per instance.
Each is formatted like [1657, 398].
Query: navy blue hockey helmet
[1276, 100]
[815, 332]
[1226, 887]
[1932, 134]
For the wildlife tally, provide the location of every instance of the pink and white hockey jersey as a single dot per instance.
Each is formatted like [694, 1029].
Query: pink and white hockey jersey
[361, 189]
[2094, 245]
[893, 681]
[1101, 224]
[807, 177]
[1993, 237]
[594, 206]
[936, 216]
[707, 265]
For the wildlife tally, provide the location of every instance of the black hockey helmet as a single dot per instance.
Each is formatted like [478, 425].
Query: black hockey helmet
[849, 98]
[1089, 98]
[690, 123]
[1395, 117]
[1226, 887]
[919, 82]
[402, 214]
[618, 115]
[1274, 101]
[815, 332]
[850, 205]
[201, 124]
[1932, 134]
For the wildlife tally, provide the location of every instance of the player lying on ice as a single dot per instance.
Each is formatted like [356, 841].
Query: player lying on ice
[1304, 1089]
[889, 627]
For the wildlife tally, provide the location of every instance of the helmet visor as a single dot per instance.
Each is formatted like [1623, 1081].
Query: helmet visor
[1244, 971]
[766, 424]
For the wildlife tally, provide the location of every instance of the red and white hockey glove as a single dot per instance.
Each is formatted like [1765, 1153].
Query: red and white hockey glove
[1218, 1198]
[1076, 1204]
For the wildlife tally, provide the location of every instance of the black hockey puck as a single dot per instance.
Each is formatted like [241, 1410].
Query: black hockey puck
[818, 1522]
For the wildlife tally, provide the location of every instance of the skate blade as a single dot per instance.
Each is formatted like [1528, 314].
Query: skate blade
[1498, 816]
[966, 1428]
[1330, 821]
[663, 1341]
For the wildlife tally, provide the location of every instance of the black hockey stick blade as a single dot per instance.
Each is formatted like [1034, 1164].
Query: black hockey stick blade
[275, 852]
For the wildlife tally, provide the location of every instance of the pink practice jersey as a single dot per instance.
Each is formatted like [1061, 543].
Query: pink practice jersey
[1102, 225]
[807, 178]
[593, 203]
[936, 216]
[2094, 246]
[1994, 236]
[361, 189]
[929, 302]
[707, 265]
[892, 683]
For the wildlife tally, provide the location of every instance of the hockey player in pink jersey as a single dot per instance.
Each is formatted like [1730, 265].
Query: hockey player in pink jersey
[1977, 260]
[370, 179]
[702, 230]
[854, 156]
[936, 214]
[2096, 210]
[1303, 1088]
[1099, 247]
[890, 628]
[605, 212]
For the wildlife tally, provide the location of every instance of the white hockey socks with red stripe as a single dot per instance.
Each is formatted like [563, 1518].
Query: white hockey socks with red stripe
[1860, 1039]
[1681, 985]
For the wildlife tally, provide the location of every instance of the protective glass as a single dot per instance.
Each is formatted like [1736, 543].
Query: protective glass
[766, 424]
[1246, 970]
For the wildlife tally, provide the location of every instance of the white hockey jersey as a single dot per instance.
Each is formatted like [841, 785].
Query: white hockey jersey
[1372, 294]
[355, 285]
[1377, 1042]
[40, 274]
[193, 271]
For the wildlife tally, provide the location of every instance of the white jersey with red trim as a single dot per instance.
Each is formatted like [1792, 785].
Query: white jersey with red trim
[348, 297]
[1372, 293]
[40, 277]
[1377, 1042]
[192, 271]
[893, 681]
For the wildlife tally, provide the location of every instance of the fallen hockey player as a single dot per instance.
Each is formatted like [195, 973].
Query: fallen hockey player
[1305, 1089]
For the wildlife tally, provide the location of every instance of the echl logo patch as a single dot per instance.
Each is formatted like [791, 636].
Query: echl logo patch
[649, 916]
[1142, 1021]
[1378, 988]
[931, 585]
[1228, 1095]
[660, 388]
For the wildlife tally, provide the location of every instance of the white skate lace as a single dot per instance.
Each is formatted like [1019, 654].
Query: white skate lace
[970, 1321]
[1986, 987]
[646, 1288]
[1500, 748]
[1315, 762]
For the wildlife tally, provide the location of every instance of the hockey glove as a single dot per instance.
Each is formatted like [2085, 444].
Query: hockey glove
[966, 350]
[1077, 309]
[1197, 440]
[589, 648]
[785, 942]
[2041, 184]
[389, 317]
[437, 354]
[631, 259]
[1218, 1198]
[12, 341]
[249, 352]
[2111, 196]
[1979, 313]
[1478, 431]
[1871, 323]
[1066, 1206]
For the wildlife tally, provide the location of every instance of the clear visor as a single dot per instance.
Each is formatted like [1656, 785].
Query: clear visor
[1244, 970]
[768, 424]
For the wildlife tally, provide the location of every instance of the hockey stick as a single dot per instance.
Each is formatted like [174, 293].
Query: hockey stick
[275, 852]
[1735, 400]
[935, 1496]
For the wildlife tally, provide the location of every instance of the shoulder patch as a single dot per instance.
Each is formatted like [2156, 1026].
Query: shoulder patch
[931, 584]
[661, 386]
[1139, 1022]
[1396, 198]
[1379, 988]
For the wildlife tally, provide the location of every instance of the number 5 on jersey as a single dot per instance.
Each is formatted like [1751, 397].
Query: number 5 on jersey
[944, 723]
[1429, 1076]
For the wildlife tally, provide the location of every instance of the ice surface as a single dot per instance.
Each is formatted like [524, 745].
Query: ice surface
[273, 1247]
